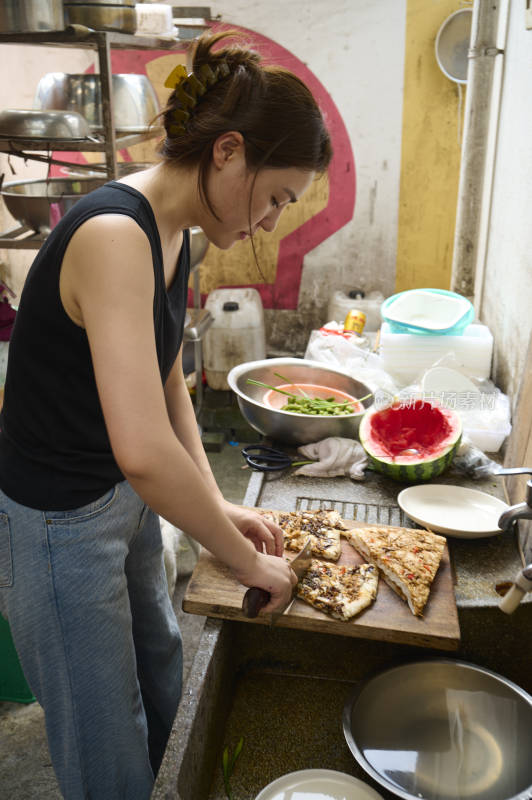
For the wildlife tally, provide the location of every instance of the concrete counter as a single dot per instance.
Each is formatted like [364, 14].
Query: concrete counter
[269, 684]
[480, 564]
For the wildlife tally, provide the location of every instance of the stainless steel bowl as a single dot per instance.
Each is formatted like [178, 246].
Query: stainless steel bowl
[21, 123]
[27, 16]
[129, 3]
[102, 17]
[40, 204]
[134, 99]
[443, 730]
[284, 426]
[198, 246]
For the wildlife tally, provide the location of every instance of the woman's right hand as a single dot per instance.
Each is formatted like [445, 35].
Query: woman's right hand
[274, 575]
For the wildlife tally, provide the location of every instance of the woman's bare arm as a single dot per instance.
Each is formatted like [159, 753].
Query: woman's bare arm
[107, 278]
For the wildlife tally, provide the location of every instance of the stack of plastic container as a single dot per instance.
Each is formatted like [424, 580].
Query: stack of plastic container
[422, 326]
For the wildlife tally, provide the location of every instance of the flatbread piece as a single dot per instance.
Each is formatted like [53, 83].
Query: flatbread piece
[324, 528]
[341, 591]
[408, 559]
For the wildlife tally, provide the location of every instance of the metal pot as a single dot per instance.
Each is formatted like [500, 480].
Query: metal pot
[134, 99]
[28, 16]
[40, 204]
[102, 18]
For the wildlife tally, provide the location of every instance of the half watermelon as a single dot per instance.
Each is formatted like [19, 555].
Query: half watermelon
[411, 441]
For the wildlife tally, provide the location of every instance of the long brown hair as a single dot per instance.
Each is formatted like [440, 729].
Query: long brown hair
[272, 108]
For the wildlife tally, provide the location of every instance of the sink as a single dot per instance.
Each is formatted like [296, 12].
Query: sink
[283, 691]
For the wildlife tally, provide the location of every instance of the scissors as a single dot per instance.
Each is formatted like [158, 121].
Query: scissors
[267, 459]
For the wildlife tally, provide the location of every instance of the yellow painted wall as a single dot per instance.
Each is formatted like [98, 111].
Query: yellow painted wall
[430, 157]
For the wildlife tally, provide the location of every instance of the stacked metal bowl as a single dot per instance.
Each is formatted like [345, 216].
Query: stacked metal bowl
[102, 15]
[134, 100]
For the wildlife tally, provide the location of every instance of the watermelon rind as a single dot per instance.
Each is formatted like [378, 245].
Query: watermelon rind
[414, 471]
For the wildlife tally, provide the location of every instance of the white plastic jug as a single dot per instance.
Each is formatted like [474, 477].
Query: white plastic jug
[340, 303]
[236, 335]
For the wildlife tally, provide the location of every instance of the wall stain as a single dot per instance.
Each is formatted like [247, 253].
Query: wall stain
[372, 201]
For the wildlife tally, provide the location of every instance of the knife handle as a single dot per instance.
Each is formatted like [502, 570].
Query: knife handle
[254, 600]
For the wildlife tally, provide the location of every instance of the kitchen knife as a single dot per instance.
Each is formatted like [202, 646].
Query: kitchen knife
[256, 598]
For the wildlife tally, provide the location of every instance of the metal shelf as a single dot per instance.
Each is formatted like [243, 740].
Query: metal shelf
[80, 36]
[21, 237]
[24, 147]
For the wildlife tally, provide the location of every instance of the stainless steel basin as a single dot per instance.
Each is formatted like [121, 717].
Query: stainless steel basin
[134, 99]
[285, 426]
[443, 730]
[40, 204]
[24, 123]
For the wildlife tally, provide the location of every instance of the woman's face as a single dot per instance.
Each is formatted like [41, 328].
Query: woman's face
[230, 186]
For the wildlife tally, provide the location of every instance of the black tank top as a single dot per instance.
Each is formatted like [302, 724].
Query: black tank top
[55, 453]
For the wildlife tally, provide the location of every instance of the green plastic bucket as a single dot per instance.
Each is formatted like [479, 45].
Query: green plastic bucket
[13, 685]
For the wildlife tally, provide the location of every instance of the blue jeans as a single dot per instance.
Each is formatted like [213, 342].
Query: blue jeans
[86, 597]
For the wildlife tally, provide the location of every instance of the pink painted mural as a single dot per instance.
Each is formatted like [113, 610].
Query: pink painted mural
[329, 205]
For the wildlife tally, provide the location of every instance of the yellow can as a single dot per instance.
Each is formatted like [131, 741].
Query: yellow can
[355, 321]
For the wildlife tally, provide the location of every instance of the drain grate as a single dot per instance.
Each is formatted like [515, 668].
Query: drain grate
[371, 513]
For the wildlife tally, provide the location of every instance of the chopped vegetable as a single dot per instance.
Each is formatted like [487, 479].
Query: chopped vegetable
[313, 406]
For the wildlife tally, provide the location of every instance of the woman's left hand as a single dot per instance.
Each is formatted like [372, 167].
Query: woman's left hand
[265, 534]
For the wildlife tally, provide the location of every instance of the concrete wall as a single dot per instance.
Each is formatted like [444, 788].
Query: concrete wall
[506, 293]
[369, 55]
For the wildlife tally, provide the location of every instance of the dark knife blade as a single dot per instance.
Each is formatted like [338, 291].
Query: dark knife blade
[256, 598]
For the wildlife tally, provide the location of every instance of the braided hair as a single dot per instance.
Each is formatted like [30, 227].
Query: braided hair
[229, 89]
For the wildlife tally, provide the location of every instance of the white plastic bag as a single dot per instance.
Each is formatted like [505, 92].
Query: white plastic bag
[330, 346]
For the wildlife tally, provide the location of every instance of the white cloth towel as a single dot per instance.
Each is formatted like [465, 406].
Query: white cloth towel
[334, 456]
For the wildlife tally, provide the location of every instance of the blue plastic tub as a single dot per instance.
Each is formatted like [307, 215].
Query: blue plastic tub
[432, 312]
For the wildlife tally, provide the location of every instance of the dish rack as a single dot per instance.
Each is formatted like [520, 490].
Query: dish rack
[78, 36]
[21, 237]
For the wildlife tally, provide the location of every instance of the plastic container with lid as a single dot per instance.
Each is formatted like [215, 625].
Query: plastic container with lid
[236, 335]
[405, 356]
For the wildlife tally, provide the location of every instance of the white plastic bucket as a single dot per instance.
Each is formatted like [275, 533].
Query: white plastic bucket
[236, 335]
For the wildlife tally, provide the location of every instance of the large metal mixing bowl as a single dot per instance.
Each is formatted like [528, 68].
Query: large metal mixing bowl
[40, 204]
[443, 730]
[27, 16]
[22, 123]
[198, 245]
[285, 426]
[134, 100]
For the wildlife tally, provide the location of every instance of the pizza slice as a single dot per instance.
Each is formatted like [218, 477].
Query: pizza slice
[322, 526]
[408, 559]
[341, 591]
[298, 526]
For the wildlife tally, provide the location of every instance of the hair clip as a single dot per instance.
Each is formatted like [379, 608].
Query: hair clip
[177, 75]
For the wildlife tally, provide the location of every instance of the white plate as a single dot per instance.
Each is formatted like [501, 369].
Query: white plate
[460, 512]
[317, 784]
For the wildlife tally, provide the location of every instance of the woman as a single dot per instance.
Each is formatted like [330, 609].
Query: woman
[98, 431]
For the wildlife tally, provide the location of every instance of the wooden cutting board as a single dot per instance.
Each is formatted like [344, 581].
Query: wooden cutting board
[214, 592]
